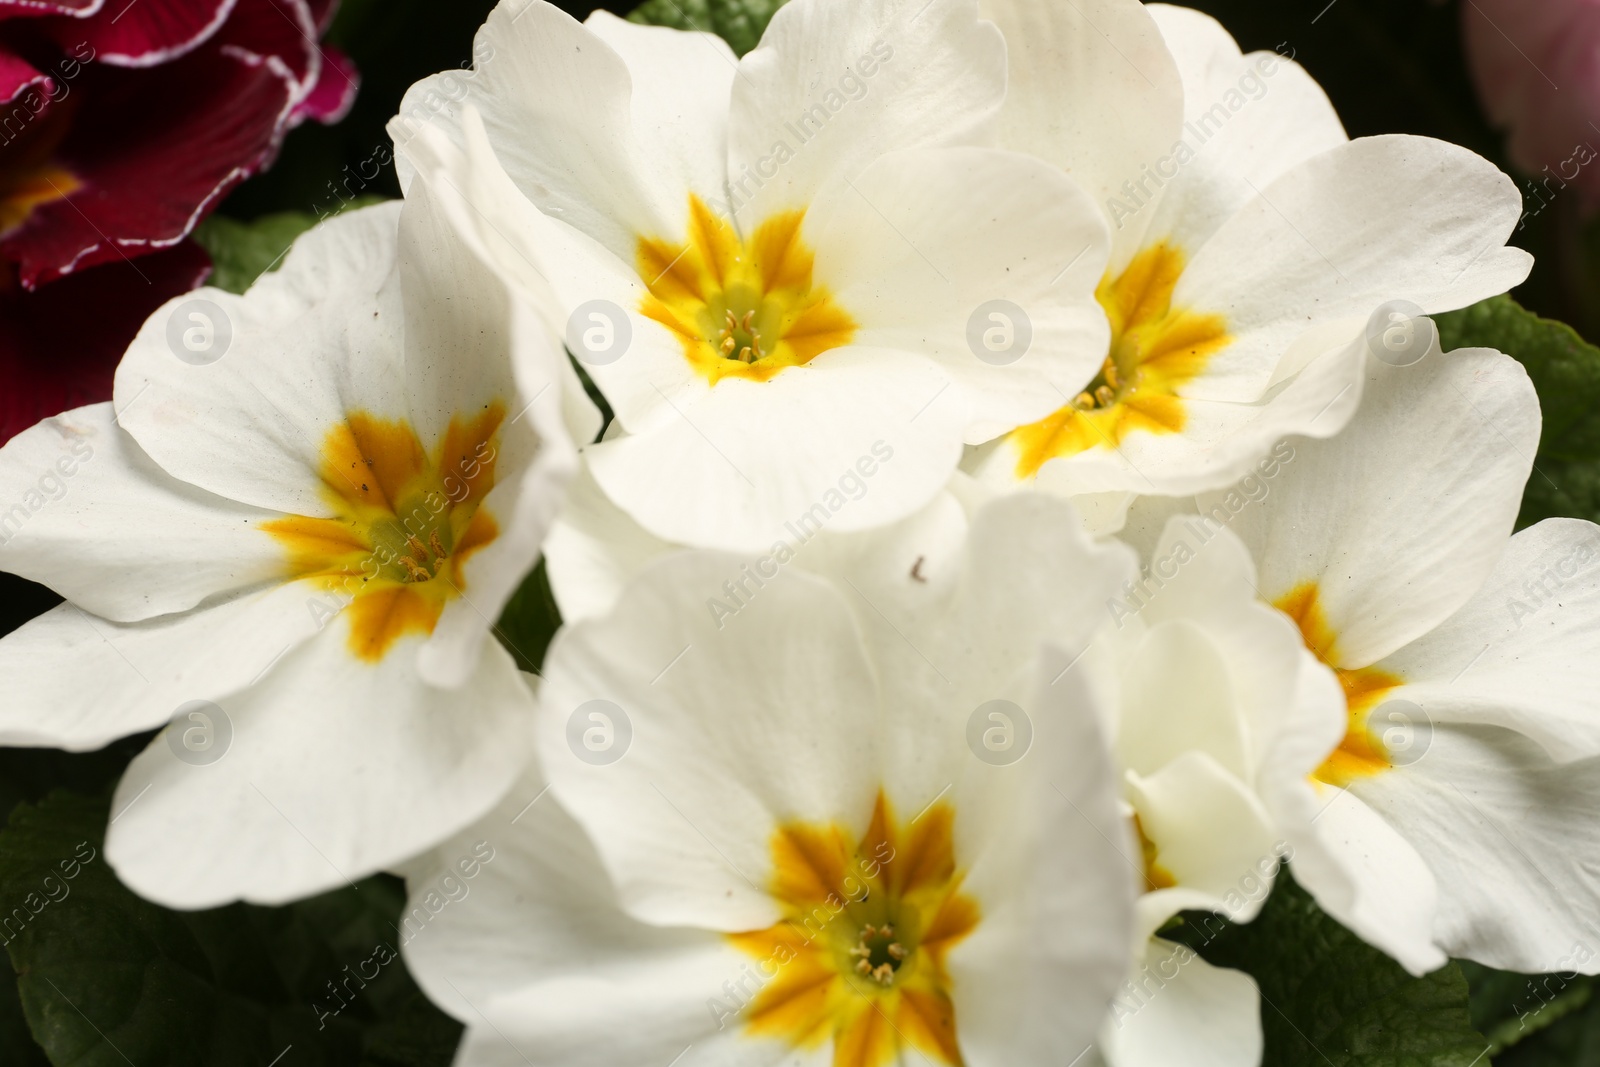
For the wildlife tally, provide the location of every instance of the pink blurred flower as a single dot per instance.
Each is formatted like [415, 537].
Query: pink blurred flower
[1537, 68]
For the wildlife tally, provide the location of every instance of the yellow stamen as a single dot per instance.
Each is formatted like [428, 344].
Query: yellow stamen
[1155, 350]
[741, 308]
[858, 960]
[391, 502]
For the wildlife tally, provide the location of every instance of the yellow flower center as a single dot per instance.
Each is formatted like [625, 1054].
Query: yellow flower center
[859, 957]
[741, 309]
[403, 523]
[1155, 350]
[1362, 753]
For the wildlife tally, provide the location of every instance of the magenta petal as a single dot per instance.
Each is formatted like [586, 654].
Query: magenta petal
[334, 92]
[281, 28]
[153, 153]
[322, 12]
[78, 9]
[17, 76]
[145, 32]
[60, 346]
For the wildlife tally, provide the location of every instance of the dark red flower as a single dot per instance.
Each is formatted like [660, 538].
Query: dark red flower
[59, 346]
[122, 125]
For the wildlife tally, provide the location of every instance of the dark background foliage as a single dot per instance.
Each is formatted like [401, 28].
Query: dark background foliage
[239, 986]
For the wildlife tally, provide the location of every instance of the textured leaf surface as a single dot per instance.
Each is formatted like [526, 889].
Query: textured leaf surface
[739, 22]
[1328, 999]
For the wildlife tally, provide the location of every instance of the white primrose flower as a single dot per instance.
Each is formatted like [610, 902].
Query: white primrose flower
[870, 823]
[290, 534]
[1251, 240]
[1196, 675]
[774, 265]
[1217, 709]
[1455, 817]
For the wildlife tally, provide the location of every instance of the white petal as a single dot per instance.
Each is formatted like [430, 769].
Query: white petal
[594, 548]
[316, 339]
[1025, 574]
[1093, 90]
[771, 717]
[1210, 830]
[1050, 870]
[938, 78]
[1511, 839]
[1524, 651]
[457, 330]
[1104, 514]
[665, 1003]
[95, 519]
[1371, 878]
[1181, 1009]
[78, 682]
[520, 899]
[557, 101]
[682, 86]
[1309, 727]
[336, 769]
[899, 249]
[1402, 517]
[563, 272]
[1247, 120]
[470, 344]
[1178, 697]
[1377, 219]
[748, 460]
[1202, 575]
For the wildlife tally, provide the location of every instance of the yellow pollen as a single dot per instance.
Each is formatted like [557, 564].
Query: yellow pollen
[1362, 753]
[402, 522]
[858, 959]
[741, 308]
[1155, 350]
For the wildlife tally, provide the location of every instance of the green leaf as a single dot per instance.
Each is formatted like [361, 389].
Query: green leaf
[739, 22]
[243, 251]
[1535, 1020]
[107, 978]
[419, 1035]
[1328, 999]
[17, 1047]
[530, 620]
[1571, 1040]
[1566, 372]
